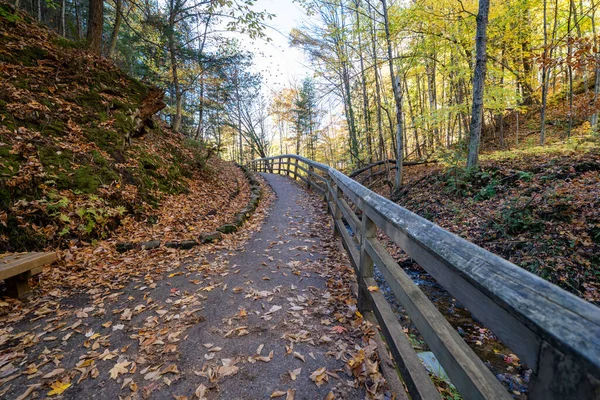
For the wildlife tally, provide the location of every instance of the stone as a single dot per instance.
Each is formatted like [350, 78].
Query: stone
[227, 228]
[187, 244]
[239, 219]
[172, 245]
[124, 246]
[153, 244]
[211, 237]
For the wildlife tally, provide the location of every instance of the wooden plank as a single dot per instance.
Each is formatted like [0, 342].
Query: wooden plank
[467, 372]
[411, 368]
[559, 378]
[348, 214]
[12, 265]
[349, 245]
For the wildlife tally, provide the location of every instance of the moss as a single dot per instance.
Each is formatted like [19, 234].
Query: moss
[21, 238]
[85, 178]
[123, 123]
[56, 127]
[105, 139]
[8, 13]
[9, 163]
[99, 159]
[69, 44]
[90, 99]
[137, 89]
[28, 56]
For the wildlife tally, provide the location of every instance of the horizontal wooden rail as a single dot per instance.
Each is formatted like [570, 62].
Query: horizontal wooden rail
[554, 332]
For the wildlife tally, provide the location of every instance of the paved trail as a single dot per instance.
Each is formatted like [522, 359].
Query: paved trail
[243, 323]
[286, 259]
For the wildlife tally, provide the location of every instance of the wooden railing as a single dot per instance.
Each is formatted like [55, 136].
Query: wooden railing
[554, 332]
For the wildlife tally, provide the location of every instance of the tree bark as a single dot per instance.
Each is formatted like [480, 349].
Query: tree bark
[478, 83]
[63, 27]
[377, 91]
[94, 26]
[366, 115]
[175, 119]
[594, 119]
[397, 98]
[116, 27]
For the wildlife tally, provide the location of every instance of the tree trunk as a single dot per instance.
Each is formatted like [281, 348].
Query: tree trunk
[94, 26]
[546, 70]
[116, 27]
[397, 99]
[366, 115]
[413, 121]
[78, 19]
[63, 25]
[594, 120]
[478, 83]
[175, 119]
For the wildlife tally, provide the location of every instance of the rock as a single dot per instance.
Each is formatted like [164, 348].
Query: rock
[433, 365]
[172, 245]
[124, 246]
[188, 244]
[211, 237]
[227, 228]
[153, 244]
[239, 219]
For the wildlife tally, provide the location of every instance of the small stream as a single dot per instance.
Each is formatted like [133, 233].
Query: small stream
[496, 356]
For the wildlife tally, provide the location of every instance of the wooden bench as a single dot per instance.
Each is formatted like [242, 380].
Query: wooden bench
[17, 268]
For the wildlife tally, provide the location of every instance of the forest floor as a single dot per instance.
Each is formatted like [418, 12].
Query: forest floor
[267, 312]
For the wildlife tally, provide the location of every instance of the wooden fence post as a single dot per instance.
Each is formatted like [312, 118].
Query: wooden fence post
[296, 169]
[335, 194]
[311, 170]
[561, 376]
[368, 229]
[287, 166]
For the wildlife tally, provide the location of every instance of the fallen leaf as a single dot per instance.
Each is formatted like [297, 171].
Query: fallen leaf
[319, 376]
[119, 368]
[53, 373]
[294, 374]
[58, 387]
[201, 392]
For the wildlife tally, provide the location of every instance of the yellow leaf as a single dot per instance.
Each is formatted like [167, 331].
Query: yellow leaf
[373, 288]
[58, 387]
[278, 393]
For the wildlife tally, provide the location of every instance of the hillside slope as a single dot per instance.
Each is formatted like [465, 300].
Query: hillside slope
[534, 206]
[67, 172]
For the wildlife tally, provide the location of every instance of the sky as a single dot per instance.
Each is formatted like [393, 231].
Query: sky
[278, 63]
